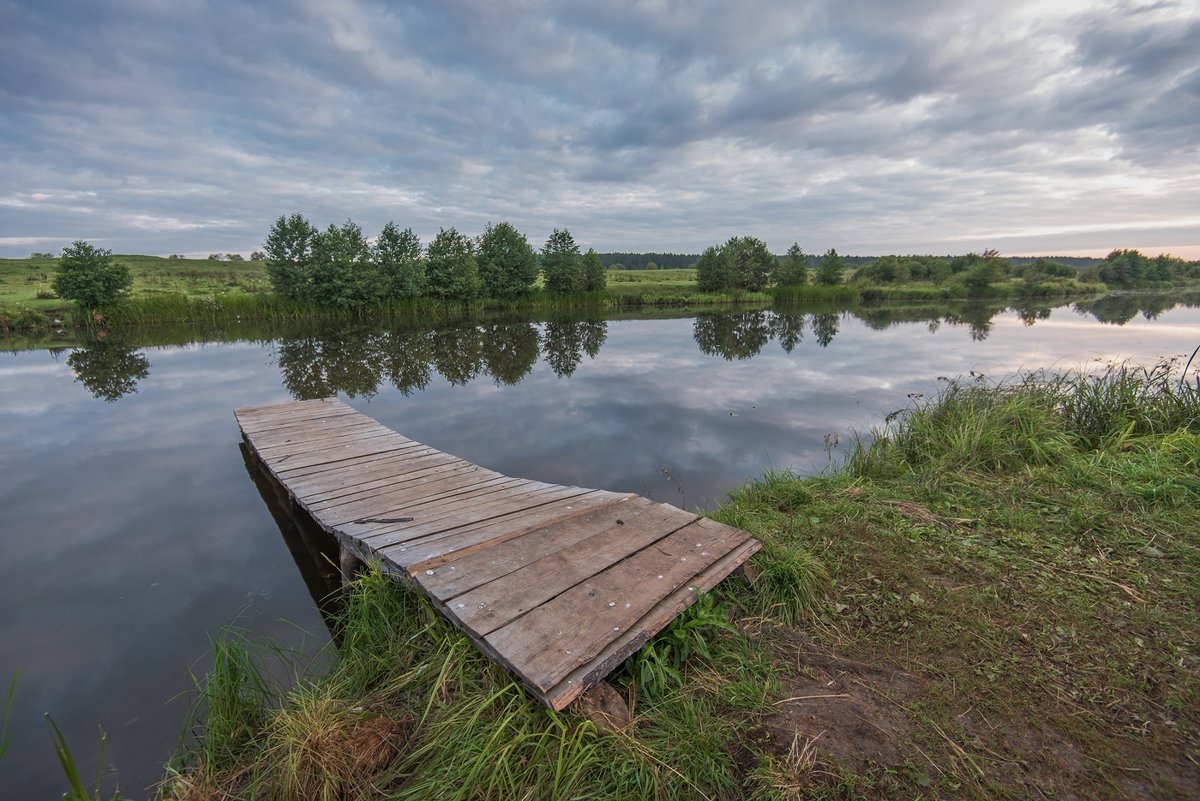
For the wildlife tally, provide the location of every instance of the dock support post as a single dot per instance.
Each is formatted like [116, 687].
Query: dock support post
[349, 563]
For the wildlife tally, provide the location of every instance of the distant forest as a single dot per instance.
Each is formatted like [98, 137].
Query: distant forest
[674, 261]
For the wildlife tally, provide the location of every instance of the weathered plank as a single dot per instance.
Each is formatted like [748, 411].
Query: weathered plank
[634, 637]
[478, 567]
[482, 536]
[497, 603]
[557, 583]
[554, 638]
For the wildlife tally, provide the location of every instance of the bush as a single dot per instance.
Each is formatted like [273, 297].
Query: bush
[89, 276]
[22, 319]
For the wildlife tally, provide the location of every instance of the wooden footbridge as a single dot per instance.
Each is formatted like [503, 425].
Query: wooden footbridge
[558, 584]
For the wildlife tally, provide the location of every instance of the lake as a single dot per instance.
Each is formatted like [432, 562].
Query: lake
[133, 531]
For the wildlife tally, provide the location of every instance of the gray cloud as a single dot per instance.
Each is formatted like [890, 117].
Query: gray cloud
[866, 126]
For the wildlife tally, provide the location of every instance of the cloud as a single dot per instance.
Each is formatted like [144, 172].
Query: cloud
[867, 126]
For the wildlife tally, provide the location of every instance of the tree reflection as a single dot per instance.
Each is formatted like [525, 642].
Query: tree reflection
[358, 362]
[825, 327]
[1120, 309]
[594, 333]
[108, 371]
[562, 346]
[977, 316]
[457, 353]
[408, 358]
[319, 366]
[1032, 314]
[735, 335]
[509, 351]
[788, 329]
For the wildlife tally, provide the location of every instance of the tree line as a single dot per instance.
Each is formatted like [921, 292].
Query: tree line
[339, 267]
[648, 261]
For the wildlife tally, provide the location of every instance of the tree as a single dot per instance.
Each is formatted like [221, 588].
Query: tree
[90, 277]
[560, 262]
[594, 276]
[712, 271]
[742, 263]
[257, 255]
[397, 256]
[830, 270]
[508, 265]
[794, 270]
[289, 256]
[1124, 268]
[342, 272]
[235, 257]
[752, 266]
[450, 266]
[981, 276]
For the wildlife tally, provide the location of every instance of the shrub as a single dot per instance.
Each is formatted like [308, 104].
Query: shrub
[89, 276]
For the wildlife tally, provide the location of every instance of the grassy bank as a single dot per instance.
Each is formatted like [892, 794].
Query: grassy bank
[993, 598]
[209, 292]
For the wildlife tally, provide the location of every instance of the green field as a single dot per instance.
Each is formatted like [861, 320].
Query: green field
[21, 280]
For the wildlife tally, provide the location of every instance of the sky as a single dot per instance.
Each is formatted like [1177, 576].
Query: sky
[869, 126]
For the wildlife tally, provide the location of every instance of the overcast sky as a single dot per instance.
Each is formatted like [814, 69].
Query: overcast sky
[870, 126]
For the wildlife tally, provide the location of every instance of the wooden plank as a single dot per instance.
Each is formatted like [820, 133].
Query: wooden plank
[557, 637]
[332, 443]
[379, 536]
[421, 469]
[437, 549]
[340, 453]
[350, 424]
[408, 486]
[499, 602]
[480, 566]
[321, 474]
[620, 649]
[287, 407]
[361, 482]
[290, 415]
[417, 502]
[282, 418]
[284, 424]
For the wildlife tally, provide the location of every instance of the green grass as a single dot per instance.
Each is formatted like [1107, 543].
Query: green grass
[22, 279]
[1000, 587]
[413, 710]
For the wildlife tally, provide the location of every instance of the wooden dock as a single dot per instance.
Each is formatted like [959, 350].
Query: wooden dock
[558, 584]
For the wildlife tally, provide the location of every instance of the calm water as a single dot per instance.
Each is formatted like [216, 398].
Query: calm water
[132, 531]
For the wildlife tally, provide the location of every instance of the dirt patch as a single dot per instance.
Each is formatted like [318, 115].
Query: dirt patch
[850, 712]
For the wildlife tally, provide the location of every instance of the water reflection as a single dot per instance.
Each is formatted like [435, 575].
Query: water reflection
[1120, 309]
[108, 370]
[313, 550]
[356, 363]
[359, 362]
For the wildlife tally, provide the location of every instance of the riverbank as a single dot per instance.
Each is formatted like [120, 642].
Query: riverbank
[212, 292]
[993, 599]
